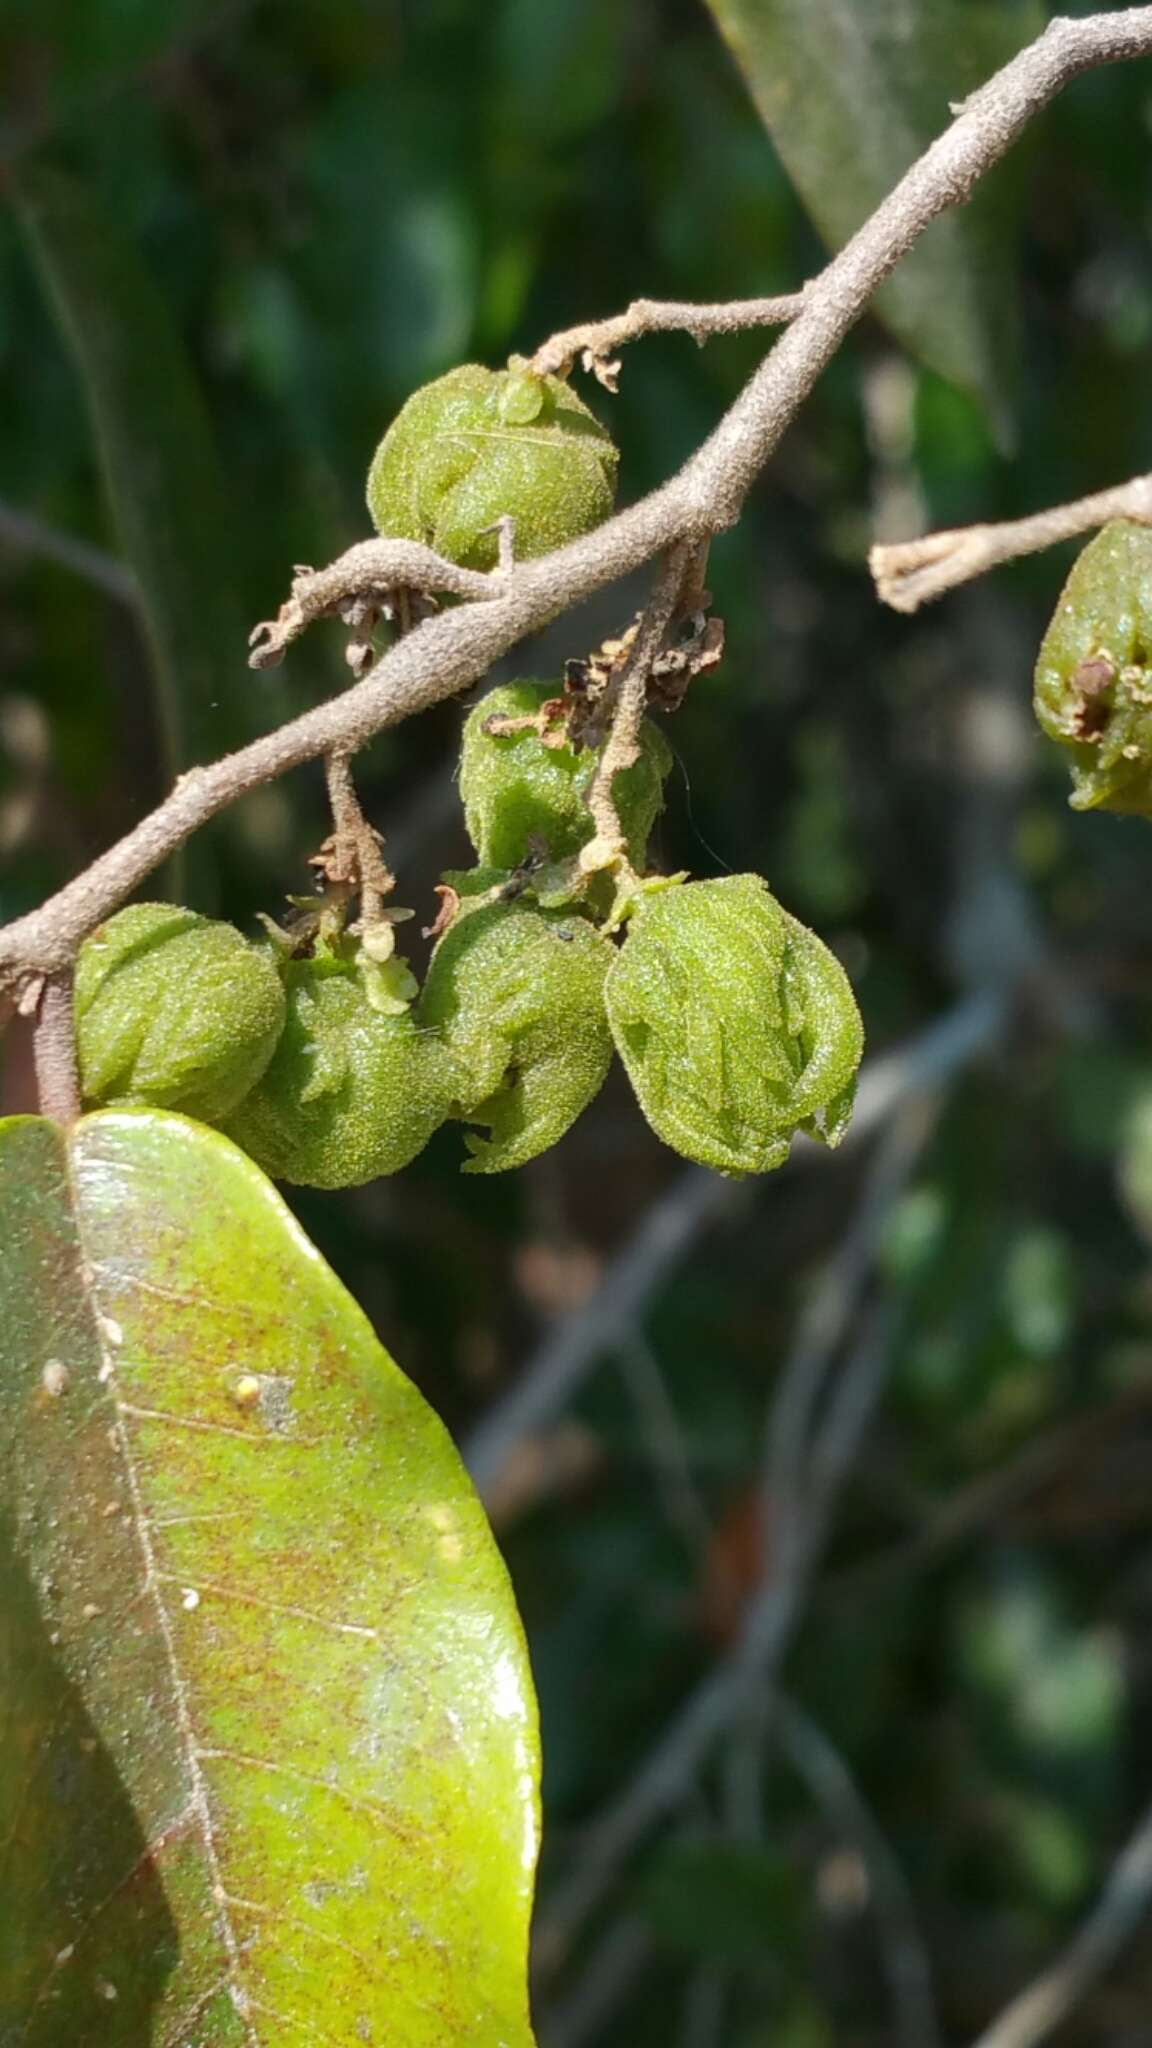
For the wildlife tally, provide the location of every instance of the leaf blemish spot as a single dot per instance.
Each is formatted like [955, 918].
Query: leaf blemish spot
[54, 1379]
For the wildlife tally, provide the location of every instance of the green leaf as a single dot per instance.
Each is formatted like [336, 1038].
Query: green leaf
[156, 451]
[852, 91]
[268, 1753]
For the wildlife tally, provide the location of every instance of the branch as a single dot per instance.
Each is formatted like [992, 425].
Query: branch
[446, 654]
[622, 746]
[909, 573]
[380, 569]
[35, 537]
[1125, 1899]
[54, 1050]
[696, 1200]
[596, 341]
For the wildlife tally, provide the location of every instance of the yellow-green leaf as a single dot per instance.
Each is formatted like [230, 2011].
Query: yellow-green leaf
[267, 1743]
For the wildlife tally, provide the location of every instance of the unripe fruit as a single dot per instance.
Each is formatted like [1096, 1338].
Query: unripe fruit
[349, 1094]
[737, 1025]
[1093, 690]
[517, 998]
[515, 789]
[478, 444]
[174, 1010]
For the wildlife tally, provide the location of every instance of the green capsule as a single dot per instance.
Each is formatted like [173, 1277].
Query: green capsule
[517, 997]
[174, 1010]
[1093, 690]
[351, 1093]
[737, 1025]
[518, 792]
[479, 444]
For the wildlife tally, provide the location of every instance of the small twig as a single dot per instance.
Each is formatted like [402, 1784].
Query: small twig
[372, 573]
[594, 342]
[622, 747]
[1123, 1903]
[909, 573]
[353, 853]
[828, 1777]
[666, 1443]
[35, 537]
[54, 1050]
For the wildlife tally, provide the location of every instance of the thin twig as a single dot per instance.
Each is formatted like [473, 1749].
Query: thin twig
[353, 853]
[1123, 1903]
[909, 573]
[35, 537]
[750, 1666]
[819, 1763]
[447, 653]
[622, 747]
[594, 342]
[54, 1051]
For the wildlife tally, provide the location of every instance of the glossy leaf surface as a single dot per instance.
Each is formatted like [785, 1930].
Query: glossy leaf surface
[267, 1741]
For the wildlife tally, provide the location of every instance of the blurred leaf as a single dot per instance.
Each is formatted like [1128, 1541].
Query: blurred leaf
[156, 453]
[852, 91]
[725, 1901]
[267, 1740]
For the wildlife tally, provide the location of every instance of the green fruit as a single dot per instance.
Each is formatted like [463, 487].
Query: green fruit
[350, 1094]
[479, 444]
[516, 790]
[1093, 690]
[174, 1010]
[517, 998]
[737, 1026]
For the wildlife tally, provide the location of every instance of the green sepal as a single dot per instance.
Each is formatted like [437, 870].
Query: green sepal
[737, 1025]
[175, 1011]
[1093, 690]
[480, 444]
[516, 791]
[516, 996]
[351, 1092]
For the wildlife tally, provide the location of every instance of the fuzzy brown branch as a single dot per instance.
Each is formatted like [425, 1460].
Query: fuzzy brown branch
[622, 746]
[594, 342]
[447, 653]
[54, 1050]
[909, 573]
[379, 570]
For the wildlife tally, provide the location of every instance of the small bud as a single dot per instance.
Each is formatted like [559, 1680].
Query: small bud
[737, 1025]
[350, 1093]
[516, 790]
[479, 445]
[175, 1010]
[517, 996]
[1094, 675]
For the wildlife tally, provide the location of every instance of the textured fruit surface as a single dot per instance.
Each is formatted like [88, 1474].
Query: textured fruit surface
[349, 1094]
[1094, 674]
[517, 790]
[480, 444]
[737, 1025]
[174, 1010]
[517, 998]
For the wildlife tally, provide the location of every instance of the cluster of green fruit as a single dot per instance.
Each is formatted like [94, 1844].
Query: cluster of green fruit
[736, 1025]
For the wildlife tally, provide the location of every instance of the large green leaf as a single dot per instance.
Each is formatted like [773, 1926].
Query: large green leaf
[268, 1751]
[852, 91]
[157, 455]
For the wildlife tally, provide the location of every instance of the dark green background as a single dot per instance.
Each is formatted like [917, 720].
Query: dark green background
[337, 201]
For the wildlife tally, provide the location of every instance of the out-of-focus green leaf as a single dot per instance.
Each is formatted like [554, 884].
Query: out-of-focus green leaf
[852, 91]
[726, 1901]
[157, 457]
[267, 1740]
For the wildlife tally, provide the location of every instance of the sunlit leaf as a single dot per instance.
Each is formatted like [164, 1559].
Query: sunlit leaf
[267, 1741]
[852, 91]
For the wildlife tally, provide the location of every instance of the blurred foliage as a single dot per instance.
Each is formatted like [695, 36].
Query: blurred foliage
[334, 204]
